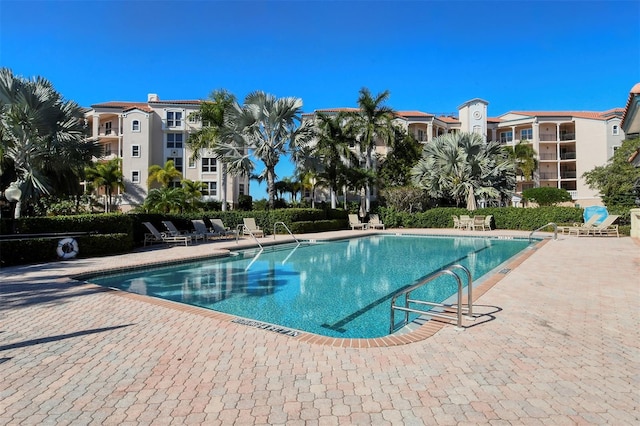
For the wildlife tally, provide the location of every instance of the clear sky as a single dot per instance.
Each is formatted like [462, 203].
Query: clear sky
[431, 55]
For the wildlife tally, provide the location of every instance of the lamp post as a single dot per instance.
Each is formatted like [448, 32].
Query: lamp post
[13, 193]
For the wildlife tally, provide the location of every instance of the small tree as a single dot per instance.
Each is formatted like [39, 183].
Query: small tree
[617, 180]
[546, 196]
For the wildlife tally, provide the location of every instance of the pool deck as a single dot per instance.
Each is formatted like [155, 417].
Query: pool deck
[557, 341]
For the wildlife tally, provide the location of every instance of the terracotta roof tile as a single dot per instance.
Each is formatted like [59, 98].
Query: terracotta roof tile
[413, 114]
[580, 114]
[635, 92]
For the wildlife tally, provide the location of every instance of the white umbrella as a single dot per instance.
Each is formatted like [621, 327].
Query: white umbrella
[471, 201]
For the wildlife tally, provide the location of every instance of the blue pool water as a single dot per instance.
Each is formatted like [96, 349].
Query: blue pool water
[339, 288]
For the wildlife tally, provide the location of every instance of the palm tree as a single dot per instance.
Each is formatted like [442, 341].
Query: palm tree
[213, 114]
[524, 157]
[107, 175]
[42, 137]
[193, 192]
[372, 123]
[165, 200]
[265, 127]
[163, 175]
[331, 154]
[456, 166]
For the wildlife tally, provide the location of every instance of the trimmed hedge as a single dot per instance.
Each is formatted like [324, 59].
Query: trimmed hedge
[503, 217]
[36, 250]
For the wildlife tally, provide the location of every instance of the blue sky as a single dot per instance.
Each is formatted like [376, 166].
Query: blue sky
[431, 55]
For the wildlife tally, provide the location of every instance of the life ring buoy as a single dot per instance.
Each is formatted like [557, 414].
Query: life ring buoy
[67, 248]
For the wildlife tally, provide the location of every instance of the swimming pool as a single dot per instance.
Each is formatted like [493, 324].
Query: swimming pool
[336, 288]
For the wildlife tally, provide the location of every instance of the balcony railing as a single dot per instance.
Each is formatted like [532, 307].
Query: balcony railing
[548, 137]
[568, 156]
[567, 136]
[548, 156]
[548, 176]
[568, 174]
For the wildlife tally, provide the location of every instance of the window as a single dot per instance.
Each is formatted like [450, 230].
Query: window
[174, 118]
[506, 137]
[107, 150]
[241, 189]
[177, 162]
[135, 176]
[175, 184]
[526, 134]
[209, 165]
[135, 126]
[107, 128]
[615, 130]
[174, 140]
[192, 163]
[135, 150]
[211, 189]
[420, 135]
[477, 130]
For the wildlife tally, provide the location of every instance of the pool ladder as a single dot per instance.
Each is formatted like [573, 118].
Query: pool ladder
[555, 230]
[459, 308]
[285, 227]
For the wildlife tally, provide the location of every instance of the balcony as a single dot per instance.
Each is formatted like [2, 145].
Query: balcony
[566, 136]
[548, 176]
[548, 137]
[548, 156]
[568, 174]
[567, 155]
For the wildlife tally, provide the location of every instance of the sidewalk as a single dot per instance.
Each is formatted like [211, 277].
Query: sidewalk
[560, 344]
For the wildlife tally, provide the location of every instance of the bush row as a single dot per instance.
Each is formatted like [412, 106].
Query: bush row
[36, 250]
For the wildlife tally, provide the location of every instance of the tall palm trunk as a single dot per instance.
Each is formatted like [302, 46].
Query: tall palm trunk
[223, 189]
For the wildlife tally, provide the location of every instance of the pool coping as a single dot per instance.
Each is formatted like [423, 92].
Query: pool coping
[430, 327]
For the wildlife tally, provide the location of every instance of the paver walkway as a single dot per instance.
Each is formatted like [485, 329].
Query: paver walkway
[559, 345]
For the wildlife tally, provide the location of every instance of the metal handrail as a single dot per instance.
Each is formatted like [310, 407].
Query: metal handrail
[244, 231]
[407, 292]
[285, 227]
[555, 230]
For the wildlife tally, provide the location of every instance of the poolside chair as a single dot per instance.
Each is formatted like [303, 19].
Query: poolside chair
[201, 229]
[354, 222]
[466, 221]
[477, 223]
[578, 227]
[250, 227]
[224, 231]
[456, 222]
[375, 223]
[173, 231]
[487, 222]
[156, 236]
[606, 227]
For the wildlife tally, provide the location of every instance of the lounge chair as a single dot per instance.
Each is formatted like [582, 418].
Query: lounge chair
[606, 227]
[354, 222]
[487, 222]
[218, 226]
[250, 227]
[201, 229]
[578, 227]
[156, 236]
[456, 222]
[375, 223]
[173, 231]
[477, 223]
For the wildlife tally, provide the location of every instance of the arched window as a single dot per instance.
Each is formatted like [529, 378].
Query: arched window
[615, 130]
[135, 126]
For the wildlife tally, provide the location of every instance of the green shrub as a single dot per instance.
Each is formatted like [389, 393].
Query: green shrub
[546, 196]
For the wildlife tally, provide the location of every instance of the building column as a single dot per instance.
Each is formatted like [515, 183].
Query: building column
[429, 132]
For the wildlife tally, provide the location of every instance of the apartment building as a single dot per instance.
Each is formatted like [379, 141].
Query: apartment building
[142, 134]
[567, 143]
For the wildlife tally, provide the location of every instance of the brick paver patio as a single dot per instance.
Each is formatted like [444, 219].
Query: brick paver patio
[558, 344]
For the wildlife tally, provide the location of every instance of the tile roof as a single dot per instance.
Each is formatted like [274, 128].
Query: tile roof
[633, 94]
[595, 115]
[124, 106]
[413, 114]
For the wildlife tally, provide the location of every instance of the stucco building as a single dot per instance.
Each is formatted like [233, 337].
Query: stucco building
[567, 143]
[143, 134]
